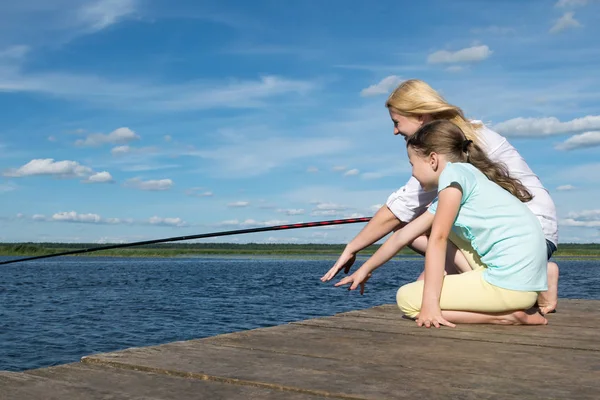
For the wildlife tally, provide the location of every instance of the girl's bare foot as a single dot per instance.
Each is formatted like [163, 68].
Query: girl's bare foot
[529, 317]
[547, 300]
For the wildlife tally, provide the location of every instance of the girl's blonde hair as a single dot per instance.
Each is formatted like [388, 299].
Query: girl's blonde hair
[444, 137]
[415, 97]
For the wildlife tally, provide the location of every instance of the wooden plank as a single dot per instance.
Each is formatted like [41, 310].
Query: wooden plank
[526, 335]
[81, 381]
[533, 363]
[341, 378]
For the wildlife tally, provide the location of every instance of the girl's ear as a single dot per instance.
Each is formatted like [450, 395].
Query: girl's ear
[434, 160]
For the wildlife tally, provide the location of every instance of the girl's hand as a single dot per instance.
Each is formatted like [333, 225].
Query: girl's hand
[344, 262]
[432, 315]
[360, 277]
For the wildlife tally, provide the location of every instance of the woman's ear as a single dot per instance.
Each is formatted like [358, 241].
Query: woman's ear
[425, 119]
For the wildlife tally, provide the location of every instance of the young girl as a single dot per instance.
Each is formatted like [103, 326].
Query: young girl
[479, 201]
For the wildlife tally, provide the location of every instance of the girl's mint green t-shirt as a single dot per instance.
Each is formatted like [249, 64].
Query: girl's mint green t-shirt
[502, 230]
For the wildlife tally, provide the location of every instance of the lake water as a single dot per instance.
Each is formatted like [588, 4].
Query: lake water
[55, 311]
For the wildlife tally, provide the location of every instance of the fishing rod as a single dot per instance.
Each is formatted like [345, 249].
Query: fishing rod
[200, 236]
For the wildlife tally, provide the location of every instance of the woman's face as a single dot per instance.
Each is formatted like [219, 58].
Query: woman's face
[407, 126]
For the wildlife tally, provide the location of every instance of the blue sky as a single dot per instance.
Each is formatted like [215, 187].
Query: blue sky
[131, 120]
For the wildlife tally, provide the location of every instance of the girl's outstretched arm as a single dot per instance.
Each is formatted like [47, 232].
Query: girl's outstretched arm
[389, 249]
[382, 223]
[435, 257]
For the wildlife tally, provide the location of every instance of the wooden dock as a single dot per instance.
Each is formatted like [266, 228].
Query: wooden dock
[365, 354]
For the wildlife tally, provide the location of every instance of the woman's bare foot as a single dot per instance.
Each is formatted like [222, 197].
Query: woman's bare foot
[529, 317]
[547, 300]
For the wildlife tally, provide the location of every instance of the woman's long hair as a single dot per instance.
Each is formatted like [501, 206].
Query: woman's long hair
[444, 137]
[415, 97]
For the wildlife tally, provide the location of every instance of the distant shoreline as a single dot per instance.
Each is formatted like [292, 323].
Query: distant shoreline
[567, 250]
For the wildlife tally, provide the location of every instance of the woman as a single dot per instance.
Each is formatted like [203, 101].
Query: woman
[411, 105]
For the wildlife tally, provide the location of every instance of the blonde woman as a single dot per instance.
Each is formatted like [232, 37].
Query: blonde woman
[411, 105]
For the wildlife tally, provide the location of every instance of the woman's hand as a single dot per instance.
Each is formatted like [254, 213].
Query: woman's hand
[432, 315]
[360, 277]
[344, 262]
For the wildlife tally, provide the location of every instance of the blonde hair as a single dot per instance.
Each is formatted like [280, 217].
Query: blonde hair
[445, 137]
[415, 97]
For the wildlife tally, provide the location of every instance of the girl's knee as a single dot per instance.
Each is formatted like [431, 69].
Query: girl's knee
[405, 297]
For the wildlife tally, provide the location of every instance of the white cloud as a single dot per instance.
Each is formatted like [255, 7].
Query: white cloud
[59, 21]
[144, 167]
[331, 206]
[273, 239]
[455, 68]
[199, 192]
[584, 140]
[99, 177]
[14, 53]
[585, 215]
[565, 22]
[151, 185]
[338, 168]
[228, 223]
[470, 54]
[252, 157]
[583, 172]
[570, 3]
[396, 170]
[312, 169]
[374, 208]
[578, 223]
[168, 138]
[248, 94]
[352, 172]
[250, 223]
[166, 221]
[120, 135]
[275, 222]
[91, 218]
[135, 94]
[115, 221]
[7, 187]
[111, 240]
[372, 175]
[324, 213]
[238, 204]
[100, 14]
[565, 188]
[531, 127]
[73, 216]
[329, 209]
[126, 149]
[47, 166]
[298, 211]
[384, 86]
[120, 150]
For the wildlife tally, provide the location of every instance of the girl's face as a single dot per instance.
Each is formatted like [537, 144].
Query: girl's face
[425, 169]
[407, 126]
